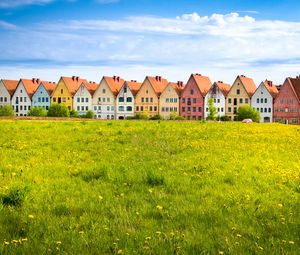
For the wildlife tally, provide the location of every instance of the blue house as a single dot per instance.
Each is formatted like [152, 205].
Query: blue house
[42, 96]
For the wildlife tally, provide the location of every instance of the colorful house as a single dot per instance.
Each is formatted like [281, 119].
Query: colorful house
[21, 100]
[218, 92]
[65, 90]
[287, 102]
[263, 99]
[147, 98]
[104, 99]
[192, 97]
[126, 98]
[7, 89]
[169, 99]
[239, 95]
[83, 98]
[42, 96]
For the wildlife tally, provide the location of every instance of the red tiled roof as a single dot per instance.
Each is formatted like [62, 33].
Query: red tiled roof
[115, 83]
[224, 87]
[73, 83]
[134, 86]
[203, 83]
[248, 84]
[178, 86]
[49, 86]
[271, 88]
[30, 86]
[11, 86]
[158, 83]
[295, 83]
[91, 87]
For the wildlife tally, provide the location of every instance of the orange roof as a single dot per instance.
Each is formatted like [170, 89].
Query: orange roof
[91, 86]
[49, 86]
[73, 83]
[115, 83]
[248, 84]
[134, 86]
[224, 87]
[30, 86]
[158, 83]
[203, 83]
[271, 88]
[177, 86]
[295, 82]
[10, 85]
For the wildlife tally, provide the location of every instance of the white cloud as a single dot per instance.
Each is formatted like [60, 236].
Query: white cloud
[219, 45]
[16, 3]
[6, 25]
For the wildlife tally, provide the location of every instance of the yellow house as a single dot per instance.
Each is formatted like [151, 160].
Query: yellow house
[65, 91]
[239, 94]
[147, 98]
[169, 99]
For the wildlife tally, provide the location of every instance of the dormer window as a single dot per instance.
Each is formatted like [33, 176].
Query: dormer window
[192, 92]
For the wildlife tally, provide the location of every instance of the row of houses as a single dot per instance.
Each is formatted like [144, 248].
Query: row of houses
[115, 98]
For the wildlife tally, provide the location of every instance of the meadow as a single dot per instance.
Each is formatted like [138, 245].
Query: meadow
[149, 187]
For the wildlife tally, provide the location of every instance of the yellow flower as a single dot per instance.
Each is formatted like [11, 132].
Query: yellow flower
[6, 243]
[280, 205]
[81, 232]
[14, 241]
[261, 248]
[159, 207]
[150, 190]
[148, 238]
[58, 242]
[158, 232]
[291, 242]
[221, 252]
[24, 239]
[30, 216]
[100, 197]
[238, 235]
[120, 252]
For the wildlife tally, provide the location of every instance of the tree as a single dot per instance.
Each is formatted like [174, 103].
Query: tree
[212, 110]
[74, 114]
[6, 110]
[88, 115]
[58, 110]
[37, 111]
[247, 112]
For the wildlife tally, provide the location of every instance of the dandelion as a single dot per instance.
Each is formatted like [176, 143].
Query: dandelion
[137, 213]
[100, 197]
[81, 232]
[58, 242]
[159, 207]
[291, 242]
[122, 194]
[238, 235]
[24, 239]
[120, 252]
[6, 243]
[148, 238]
[158, 232]
[150, 190]
[14, 241]
[30, 216]
[280, 205]
[106, 228]
[221, 252]
[261, 248]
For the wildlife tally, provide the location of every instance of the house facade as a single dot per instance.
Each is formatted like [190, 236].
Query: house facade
[169, 99]
[147, 98]
[21, 100]
[42, 96]
[263, 99]
[218, 92]
[7, 89]
[65, 91]
[104, 99]
[83, 98]
[287, 102]
[192, 97]
[239, 95]
[126, 99]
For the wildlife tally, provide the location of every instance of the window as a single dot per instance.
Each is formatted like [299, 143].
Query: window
[183, 100]
[269, 110]
[241, 100]
[112, 117]
[206, 109]
[99, 108]
[137, 108]
[155, 108]
[266, 110]
[64, 100]
[237, 91]
[189, 101]
[194, 109]
[142, 108]
[147, 99]
[229, 100]
[189, 109]
[167, 109]
[175, 109]
[257, 100]
[78, 108]
[218, 100]
[99, 99]
[121, 108]
[1, 99]
[199, 109]
[121, 99]
[261, 110]
[21, 107]
[266, 100]
[167, 100]
[229, 109]
[150, 108]
[281, 100]
[39, 99]
[125, 89]
[82, 108]
[183, 109]
[107, 108]
[61, 91]
[47, 99]
[103, 92]
[291, 101]
[234, 110]
[95, 108]
[103, 100]
[192, 92]
[21, 91]
[222, 109]
[129, 108]
[194, 100]
[21, 99]
[261, 100]
[151, 99]
[142, 100]
[175, 100]
[82, 100]
[171, 100]
[246, 100]
[78, 100]
[54, 99]
[108, 99]
[25, 99]
[129, 99]
[5, 99]
[86, 108]
[107, 117]
[86, 99]
[25, 107]
[43, 99]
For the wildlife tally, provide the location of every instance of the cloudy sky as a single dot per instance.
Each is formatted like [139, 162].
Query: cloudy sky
[135, 38]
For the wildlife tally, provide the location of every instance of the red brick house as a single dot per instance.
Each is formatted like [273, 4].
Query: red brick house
[192, 97]
[287, 103]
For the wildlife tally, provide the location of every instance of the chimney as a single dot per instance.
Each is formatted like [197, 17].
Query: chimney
[73, 78]
[77, 78]
[118, 79]
[37, 81]
[33, 80]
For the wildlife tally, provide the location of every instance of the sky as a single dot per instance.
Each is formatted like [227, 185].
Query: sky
[221, 39]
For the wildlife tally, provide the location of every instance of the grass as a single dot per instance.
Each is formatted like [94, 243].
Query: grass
[149, 188]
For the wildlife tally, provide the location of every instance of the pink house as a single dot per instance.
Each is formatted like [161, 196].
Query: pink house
[287, 102]
[192, 97]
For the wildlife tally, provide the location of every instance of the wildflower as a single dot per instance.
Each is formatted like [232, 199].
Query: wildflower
[30, 216]
[115, 244]
[6, 243]
[120, 252]
[81, 232]
[150, 190]
[24, 239]
[106, 228]
[261, 248]
[291, 242]
[58, 242]
[148, 238]
[158, 232]
[284, 241]
[127, 234]
[238, 235]
[159, 207]
[100, 197]
[14, 241]
[280, 205]
[137, 213]
[221, 252]
[122, 194]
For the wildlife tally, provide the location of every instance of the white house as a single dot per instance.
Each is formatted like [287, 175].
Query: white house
[125, 99]
[104, 98]
[21, 100]
[83, 98]
[218, 92]
[7, 89]
[262, 100]
[42, 96]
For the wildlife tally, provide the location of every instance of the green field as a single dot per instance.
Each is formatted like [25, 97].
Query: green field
[149, 188]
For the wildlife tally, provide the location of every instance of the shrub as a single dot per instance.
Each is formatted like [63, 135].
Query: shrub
[58, 110]
[212, 110]
[15, 196]
[180, 118]
[37, 111]
[140, 116]
[74, 114]
[247, 112]
[156, 117]
[225, 118]
[153, 179]
[88, 115]
[6, 110]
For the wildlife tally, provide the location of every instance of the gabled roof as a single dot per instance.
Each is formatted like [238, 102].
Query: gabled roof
[271, 88]
[134, 86]
[10, 85]
[49, 86]
[224, 87]
[248, 84]
[295, 83]
[115, 83]
[30, 86]
[158, 83]
[91, 87]
[177, 86]
[73, 83]
[203, 83]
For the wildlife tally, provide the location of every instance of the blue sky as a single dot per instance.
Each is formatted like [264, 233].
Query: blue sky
[172, 38]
